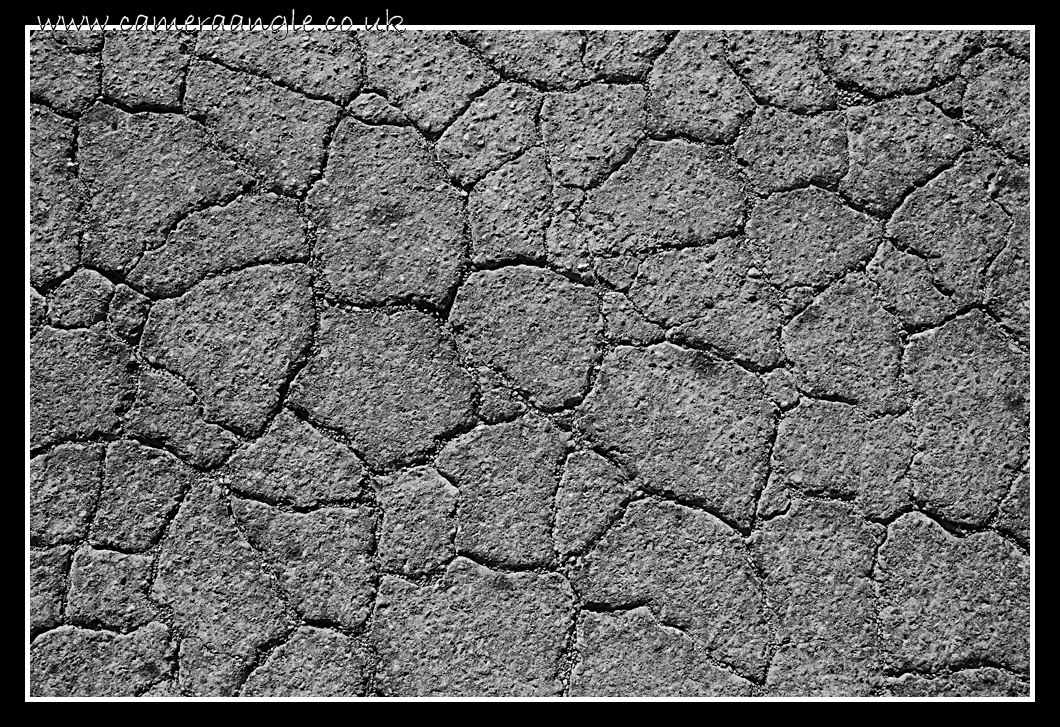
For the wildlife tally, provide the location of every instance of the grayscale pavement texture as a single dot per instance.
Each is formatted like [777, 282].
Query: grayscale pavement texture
[530, 363]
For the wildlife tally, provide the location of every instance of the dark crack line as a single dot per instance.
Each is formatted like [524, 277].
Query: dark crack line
[247, 71]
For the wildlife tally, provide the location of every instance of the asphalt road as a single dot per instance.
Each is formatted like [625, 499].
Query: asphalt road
[515, 363]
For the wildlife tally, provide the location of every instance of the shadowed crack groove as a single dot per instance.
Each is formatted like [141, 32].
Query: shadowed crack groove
[258, 74]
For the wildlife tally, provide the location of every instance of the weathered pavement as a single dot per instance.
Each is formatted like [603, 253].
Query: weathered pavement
[530, 363]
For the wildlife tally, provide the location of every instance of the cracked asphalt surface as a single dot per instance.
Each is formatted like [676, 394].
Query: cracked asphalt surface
[530, 363]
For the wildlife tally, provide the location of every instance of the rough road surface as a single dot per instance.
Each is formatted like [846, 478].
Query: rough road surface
[530, 364]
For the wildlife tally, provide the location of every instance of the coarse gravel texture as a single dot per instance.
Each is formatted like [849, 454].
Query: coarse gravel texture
[530, 363]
